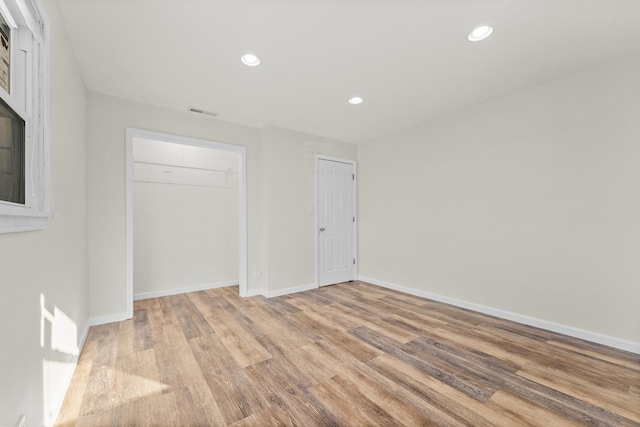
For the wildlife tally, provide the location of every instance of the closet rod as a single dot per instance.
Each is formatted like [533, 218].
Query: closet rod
[158, 181]
[183, 167]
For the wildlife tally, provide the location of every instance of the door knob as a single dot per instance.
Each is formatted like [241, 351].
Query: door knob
[321, 228]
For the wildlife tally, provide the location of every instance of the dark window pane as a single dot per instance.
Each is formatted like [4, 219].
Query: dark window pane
[12, 155]
[5, 53]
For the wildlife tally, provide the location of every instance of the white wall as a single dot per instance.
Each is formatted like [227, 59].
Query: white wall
[52, 262]
[107, 119]
[279, 185]
[184, 236]
[529, 203]
[185, 218]
[289, 159]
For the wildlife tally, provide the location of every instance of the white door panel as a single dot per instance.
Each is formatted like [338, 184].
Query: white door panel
[336, 222]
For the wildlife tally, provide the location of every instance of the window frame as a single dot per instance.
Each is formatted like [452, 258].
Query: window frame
[28, 96]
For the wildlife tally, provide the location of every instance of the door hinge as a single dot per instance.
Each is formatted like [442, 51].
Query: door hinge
[353, 176]
[354, 219]
[354, 261]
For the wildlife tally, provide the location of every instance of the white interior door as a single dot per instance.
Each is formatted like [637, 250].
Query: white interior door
[336, 222]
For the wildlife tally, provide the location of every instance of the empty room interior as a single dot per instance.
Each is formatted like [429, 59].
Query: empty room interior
[320, 212]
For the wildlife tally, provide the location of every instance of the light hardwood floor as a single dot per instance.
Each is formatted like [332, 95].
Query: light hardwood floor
[351, 354]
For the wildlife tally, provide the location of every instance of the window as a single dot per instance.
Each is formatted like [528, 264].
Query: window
[24, 150]
[5, 53]
[12, 164]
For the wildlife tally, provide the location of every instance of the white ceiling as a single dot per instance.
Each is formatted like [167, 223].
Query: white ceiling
[409, 59]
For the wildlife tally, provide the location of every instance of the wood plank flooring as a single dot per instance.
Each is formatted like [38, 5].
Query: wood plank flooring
[351, 354]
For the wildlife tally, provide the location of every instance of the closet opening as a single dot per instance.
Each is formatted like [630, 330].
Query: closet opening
[186, 215]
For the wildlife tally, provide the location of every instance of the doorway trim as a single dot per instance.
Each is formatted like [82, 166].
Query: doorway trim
[132, 133]
[353, 163]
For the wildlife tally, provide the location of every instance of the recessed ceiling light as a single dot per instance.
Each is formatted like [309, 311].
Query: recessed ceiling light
[250, 59]
[355, 100]
[480, 33]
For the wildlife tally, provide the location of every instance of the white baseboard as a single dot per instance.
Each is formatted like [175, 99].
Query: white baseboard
[83, 338]
[107, 318]
[57, 399]
[292, 290]
[182, 290]
[64, 387]
[256, 292]
[595, 337]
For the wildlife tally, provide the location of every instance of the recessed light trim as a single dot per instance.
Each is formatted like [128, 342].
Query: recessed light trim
[480, 33]
[250, 60]
[355, 100]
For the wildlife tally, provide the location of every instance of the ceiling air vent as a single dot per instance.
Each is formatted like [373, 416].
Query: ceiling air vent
[206, 113]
